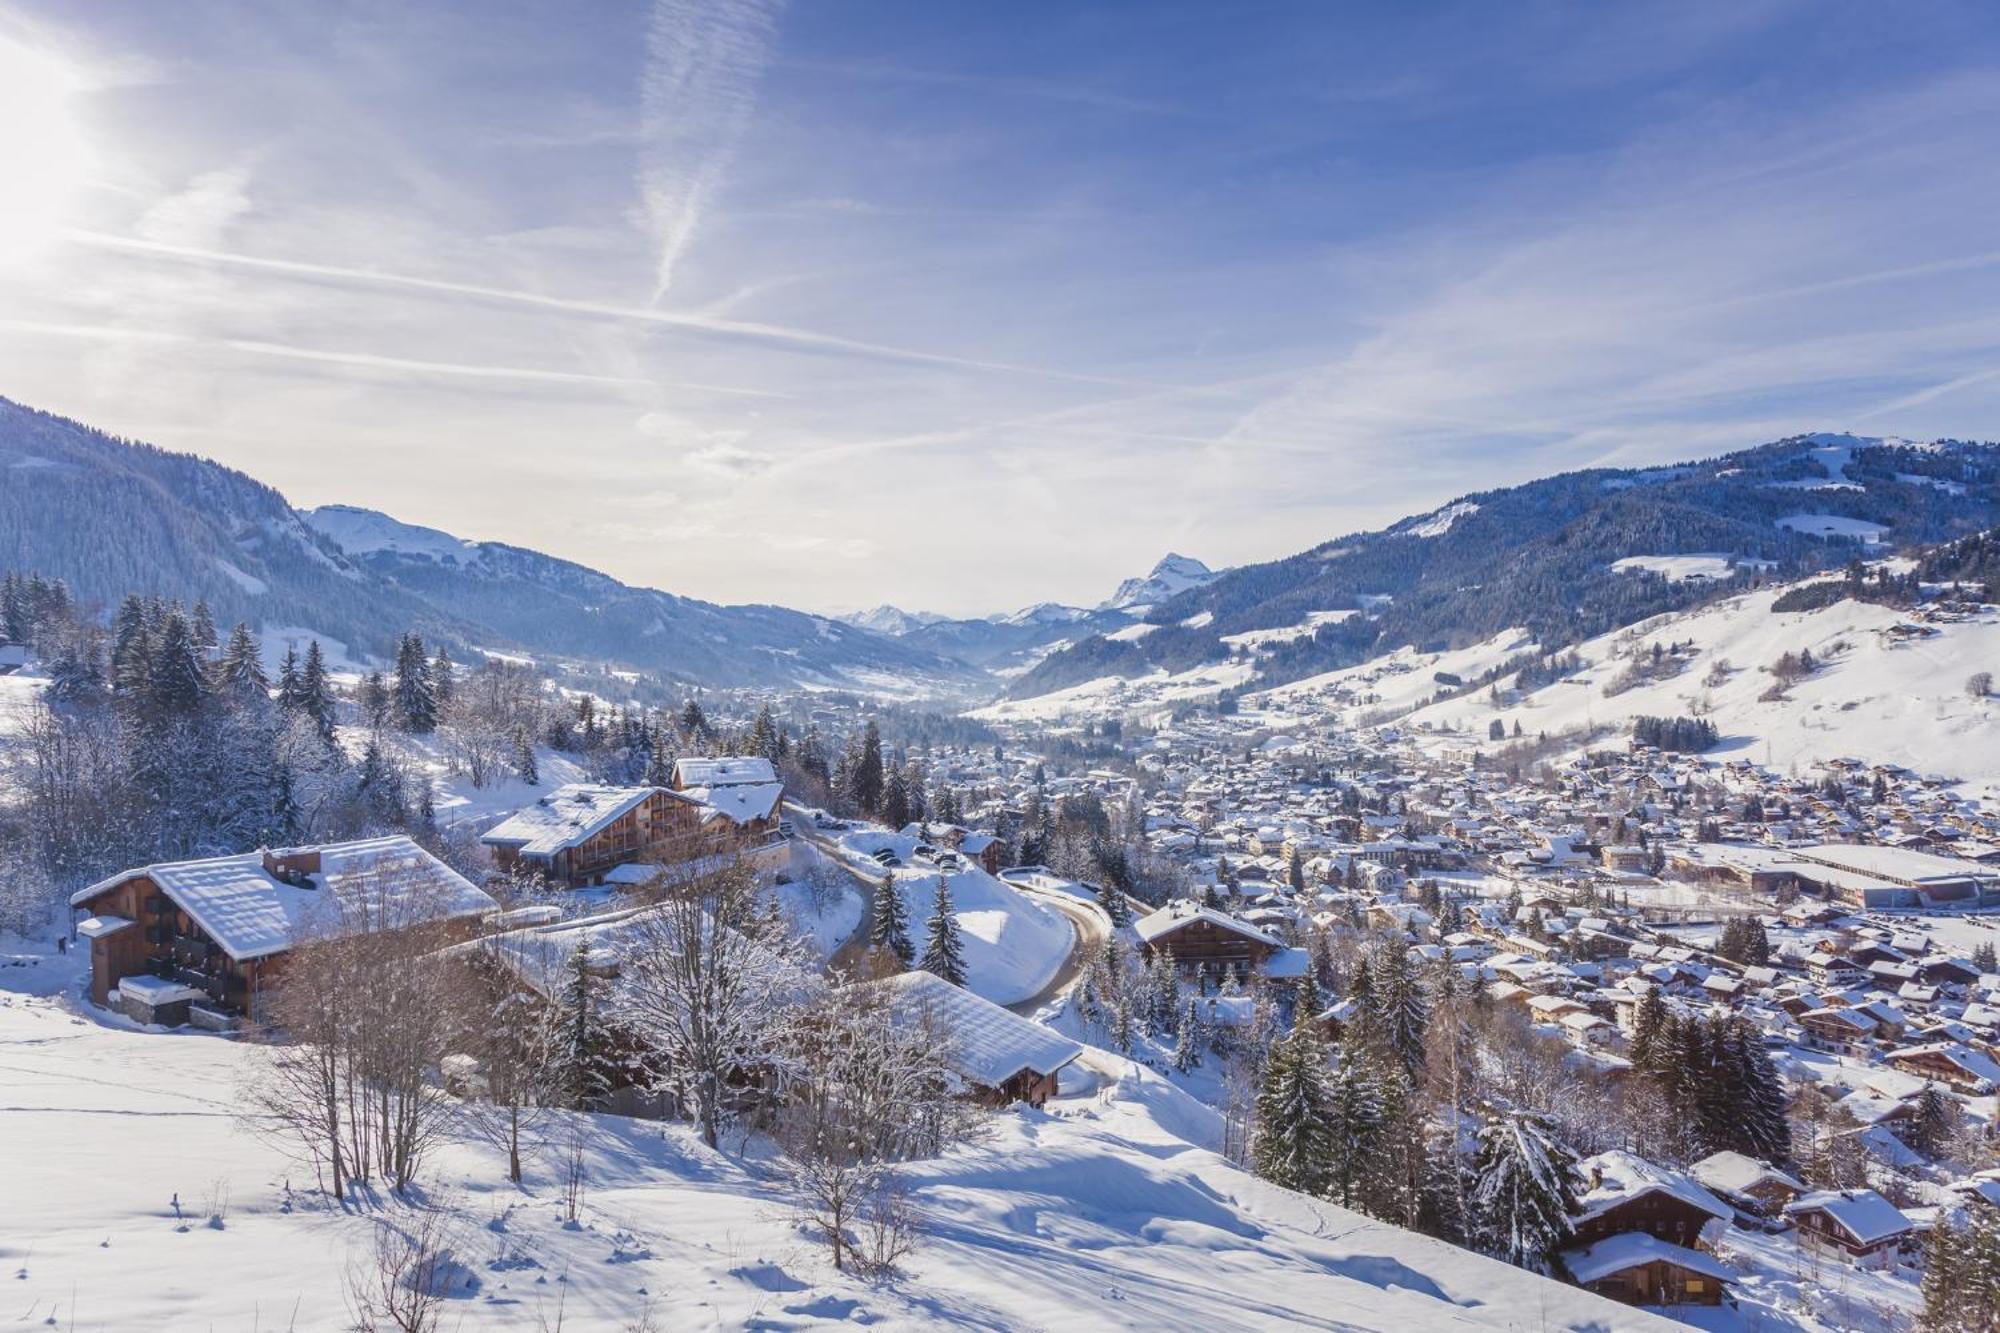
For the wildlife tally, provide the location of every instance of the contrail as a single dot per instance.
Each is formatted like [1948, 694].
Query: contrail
[749, 330]
[703, 62]
[366, 360]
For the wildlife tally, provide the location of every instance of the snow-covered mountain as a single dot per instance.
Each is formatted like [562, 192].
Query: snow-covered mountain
[1174, 575]
[1565, 557]
[111, 516]
[891, 620]
[560, 608]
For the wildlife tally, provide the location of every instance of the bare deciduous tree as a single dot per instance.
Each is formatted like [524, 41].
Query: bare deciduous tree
[868, 1091]
[707, 983]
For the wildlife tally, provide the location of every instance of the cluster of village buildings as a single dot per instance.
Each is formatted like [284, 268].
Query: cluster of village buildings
[1573, 891]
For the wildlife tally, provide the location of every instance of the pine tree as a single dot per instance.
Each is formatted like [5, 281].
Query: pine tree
[1188, 1038]
[240, 675]
[416, 693]
[865, 778]
[444, 682]
[1762, 1128]
[1354, 1120]
[890, 928]
[201, 628]
[291, 682]
[316, 691]
[895, 801]
[944, 950]
[1647, 1024]
[1524, 1193]
[176, 684]
[1930, 1126]
[1403, 1011]
[579, 1068]
[524, 757]
[1293, 1142]
[1986, 958]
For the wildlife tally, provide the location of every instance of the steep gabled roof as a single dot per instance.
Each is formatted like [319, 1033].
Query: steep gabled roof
[251, 913]
[567, 817]
[989, 1044]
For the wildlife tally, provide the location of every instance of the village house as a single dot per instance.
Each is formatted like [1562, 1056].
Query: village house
[585, 833]
[1640, 1269]
[1204, 941]
[998, 1057]
[1753, 1186]
[202, 941]
[1856, 1226]
[1627, 1193]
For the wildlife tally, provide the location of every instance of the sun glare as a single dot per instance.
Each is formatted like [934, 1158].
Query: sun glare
[44, 158]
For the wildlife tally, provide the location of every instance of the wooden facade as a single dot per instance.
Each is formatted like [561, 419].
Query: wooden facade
[1200, 944]
[1659, 1282]
[1657, 1212]
[665, 828]
[165, 941]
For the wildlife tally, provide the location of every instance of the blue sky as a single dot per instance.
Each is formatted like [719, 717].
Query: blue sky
[967, 306]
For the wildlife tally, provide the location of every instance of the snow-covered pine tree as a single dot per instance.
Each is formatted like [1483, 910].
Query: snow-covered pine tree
[444, 682]
[1188, 1038]
[944, 950]
[579, 1069]
[1524, 1192]
[524, 757]
[889, 928]
[1353, 1120]
[1292, 1144]
[240, 675]
[316, 691]
[1402, 1008]
[416, 694]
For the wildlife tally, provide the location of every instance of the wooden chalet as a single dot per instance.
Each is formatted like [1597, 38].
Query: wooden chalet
[200, 941]
[1629, 1194]
[1750, 1185]
[1641, 1269]
[580, 833]
[1203, 940]
[1951, 1063]
[1856, 1226]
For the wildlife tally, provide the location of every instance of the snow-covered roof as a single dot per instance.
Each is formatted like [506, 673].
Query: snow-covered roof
[991, 1045]
[1620, 1176]
[251, 913]
[1738, 1173]
[1616, 1254]
[1863, 1214]
[1185, 912]
[97, 927]
[1963, 1057]
[569, 815]
[730, 771]
[740, 802]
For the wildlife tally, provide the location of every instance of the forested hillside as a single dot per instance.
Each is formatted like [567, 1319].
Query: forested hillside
[109, 516]
[1541, 555]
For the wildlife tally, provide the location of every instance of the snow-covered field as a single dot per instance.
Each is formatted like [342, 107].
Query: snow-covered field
[1399, 680]
[17, 696]
[1677, 568]
[1100, 1212]
[1108, 695]
[1014, 944]
[1881, 694]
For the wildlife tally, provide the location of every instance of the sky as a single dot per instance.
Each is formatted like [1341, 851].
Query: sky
[965, 307]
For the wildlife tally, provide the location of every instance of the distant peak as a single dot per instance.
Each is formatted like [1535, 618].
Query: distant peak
[1173, 575]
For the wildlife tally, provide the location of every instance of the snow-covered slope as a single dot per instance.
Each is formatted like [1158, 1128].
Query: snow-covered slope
[1097, 1213]
[1014, 944]
[1890, 688]
[1174, 575]
[359, 531]
[565, 610]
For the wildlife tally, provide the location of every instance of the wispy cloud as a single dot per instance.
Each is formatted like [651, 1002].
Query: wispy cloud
[704, 60]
